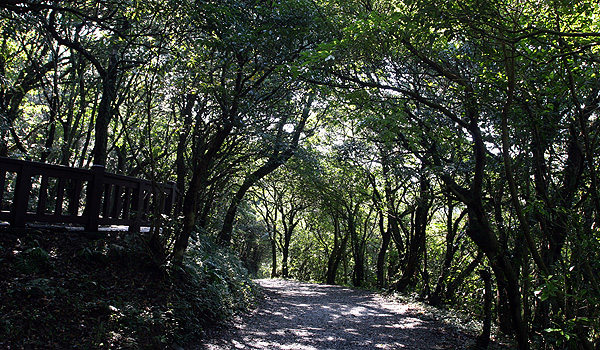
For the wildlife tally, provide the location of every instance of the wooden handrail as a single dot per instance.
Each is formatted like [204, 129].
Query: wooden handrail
[40, 192]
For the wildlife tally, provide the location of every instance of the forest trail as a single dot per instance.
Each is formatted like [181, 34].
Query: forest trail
[306, 316]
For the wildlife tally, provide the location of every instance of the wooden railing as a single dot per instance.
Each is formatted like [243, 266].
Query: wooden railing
[45, 193]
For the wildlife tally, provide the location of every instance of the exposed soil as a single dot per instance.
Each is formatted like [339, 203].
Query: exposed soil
[305, 316]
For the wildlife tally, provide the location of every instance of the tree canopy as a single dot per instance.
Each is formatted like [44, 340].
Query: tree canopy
[417, 146]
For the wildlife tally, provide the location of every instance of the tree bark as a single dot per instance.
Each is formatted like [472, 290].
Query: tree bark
[337, 253]
[190, 201]
[439, 294]
[273, 241]
[105, 109]
[386, 237]
[416, 248]
[285, 253]
[182, 142]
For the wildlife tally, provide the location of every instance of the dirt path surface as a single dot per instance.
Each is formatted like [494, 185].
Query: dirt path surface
[304, 316]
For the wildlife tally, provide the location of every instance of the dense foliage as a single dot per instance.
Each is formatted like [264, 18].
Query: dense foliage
[63, 290]
[448, 149]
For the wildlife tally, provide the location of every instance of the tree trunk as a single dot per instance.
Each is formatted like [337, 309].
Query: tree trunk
[273, 241]
[224, 237]
[358, 270]
[439, 294]
[416, 247]
[105, 109]
[70, 126]
[52, 132]
[190, 201]
[182, 142]
[285, 254]
[458, 280]
[386, 237]
[337, 253]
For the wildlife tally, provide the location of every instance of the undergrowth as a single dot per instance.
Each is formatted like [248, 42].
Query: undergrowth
[211, 287]
[62, 290]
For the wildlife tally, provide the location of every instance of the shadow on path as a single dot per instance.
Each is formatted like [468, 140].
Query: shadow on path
[308, 316]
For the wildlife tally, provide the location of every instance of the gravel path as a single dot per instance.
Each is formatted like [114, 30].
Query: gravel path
[304, 316]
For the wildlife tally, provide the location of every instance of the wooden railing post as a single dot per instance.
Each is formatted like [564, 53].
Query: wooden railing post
[94, 197]
[137, 207]
[21, 197]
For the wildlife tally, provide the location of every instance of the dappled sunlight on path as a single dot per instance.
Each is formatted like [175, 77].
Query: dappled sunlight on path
[304, 316]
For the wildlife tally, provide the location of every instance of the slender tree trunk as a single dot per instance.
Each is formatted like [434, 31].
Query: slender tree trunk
[190, 201]
[416, 248]
[285, 255]
[358, 270]
[439, 294]
[392, 214]
[70, 126]
[273, 241]
[182, 142]
[105, 109]
[52, 131]
[459, 280]
[337, 253]
[331, 261]
[224, 237]
[386, 237]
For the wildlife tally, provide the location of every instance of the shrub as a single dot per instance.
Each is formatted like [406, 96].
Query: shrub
[211, 286]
